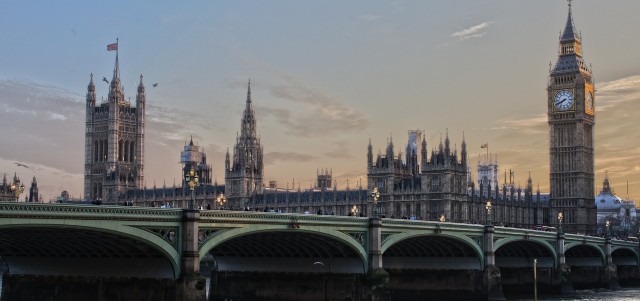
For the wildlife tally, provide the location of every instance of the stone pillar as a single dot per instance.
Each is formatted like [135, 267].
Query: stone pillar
[491, 280]
[191, 285]
[563, 271]
[375, 243]
[610, 271]
[377, 279]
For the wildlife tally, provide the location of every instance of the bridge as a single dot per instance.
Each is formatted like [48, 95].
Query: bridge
[75, 252]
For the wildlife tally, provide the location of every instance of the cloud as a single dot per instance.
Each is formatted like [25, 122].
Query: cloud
[341, 151]
[273, 157]
[317, 114]
[530, 125]
[472, 32]
[617, 92]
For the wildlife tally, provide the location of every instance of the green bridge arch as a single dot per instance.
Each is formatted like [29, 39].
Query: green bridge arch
[119, 228]
[226, 233]
[398, 237]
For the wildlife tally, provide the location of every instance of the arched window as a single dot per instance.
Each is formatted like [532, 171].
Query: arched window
[127, 151]
[96, 156]
[132, 149]
[120, 150]
[105, 151]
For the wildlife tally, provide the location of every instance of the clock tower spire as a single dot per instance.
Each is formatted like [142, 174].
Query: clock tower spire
[571, 116]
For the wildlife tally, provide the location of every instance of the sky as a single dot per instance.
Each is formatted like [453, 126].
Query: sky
[326, 76]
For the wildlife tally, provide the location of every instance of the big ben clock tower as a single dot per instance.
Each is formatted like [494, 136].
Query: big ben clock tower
[571, 115]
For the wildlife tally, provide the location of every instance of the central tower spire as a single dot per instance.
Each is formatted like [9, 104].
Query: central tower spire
[244, 174]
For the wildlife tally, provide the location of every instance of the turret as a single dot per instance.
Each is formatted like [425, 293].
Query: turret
[423, 152]
[447, 147]
[606, 186]
[140, 97]
[463, 152]
[115, 90]
[91, 92]
[33, 190]
[369, 155]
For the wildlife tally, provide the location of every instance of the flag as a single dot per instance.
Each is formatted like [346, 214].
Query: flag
[113, 46]
[486, 145]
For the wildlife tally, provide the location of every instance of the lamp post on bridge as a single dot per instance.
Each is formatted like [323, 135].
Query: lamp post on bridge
[560, 218]
[221, 200]
[607, 225]
[17, 188]
[375, 195]
[487, 219]
[191, 178]
[354, 210]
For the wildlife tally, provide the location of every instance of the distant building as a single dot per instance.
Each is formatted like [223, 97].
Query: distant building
[10, 191]
[33, 191]
[488, 174]
[193, 156]
[324, 179]
[114, 141]
[612, 208]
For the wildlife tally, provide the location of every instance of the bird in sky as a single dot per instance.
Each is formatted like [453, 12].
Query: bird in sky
[105, 80]
[20, 164]
[155, 85]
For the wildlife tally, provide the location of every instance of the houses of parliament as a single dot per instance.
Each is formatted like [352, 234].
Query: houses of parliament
[413, 183]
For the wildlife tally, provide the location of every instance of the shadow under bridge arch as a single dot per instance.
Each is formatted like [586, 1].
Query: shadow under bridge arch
[521, 253]
[432, 252]
[85, 251]
[286, 251]
[584, 255]
[624, 256]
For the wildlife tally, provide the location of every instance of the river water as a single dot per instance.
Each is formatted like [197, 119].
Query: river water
[582, 295]
[632, 294]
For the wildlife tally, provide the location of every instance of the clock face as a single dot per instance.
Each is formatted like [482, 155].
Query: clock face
[563, 100]
[588, 103]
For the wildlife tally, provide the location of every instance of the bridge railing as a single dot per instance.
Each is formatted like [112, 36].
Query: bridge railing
[14, 209]
[252, 216]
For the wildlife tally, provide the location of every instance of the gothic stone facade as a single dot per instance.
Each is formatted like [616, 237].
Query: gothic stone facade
[243, 173]
[114, 142]
[571, 115]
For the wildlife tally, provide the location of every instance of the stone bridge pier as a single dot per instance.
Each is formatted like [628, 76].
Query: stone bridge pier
[190, 284]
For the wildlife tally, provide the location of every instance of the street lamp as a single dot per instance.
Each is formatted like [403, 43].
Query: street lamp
[442, 218]
[191, 178]
[487, 220]
[560, 218]
[607, 224]
[17, 188]
[354, 210]
[375, 195]
[221, 200]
